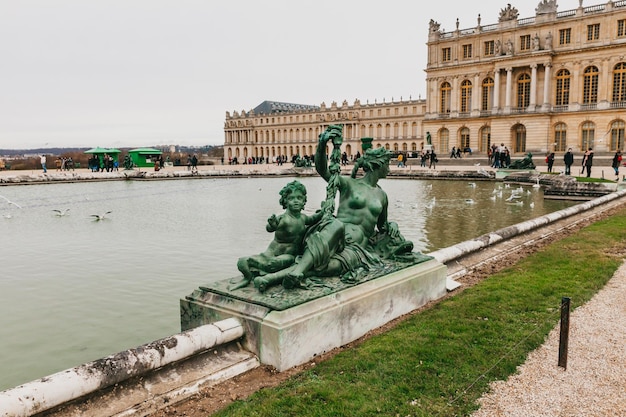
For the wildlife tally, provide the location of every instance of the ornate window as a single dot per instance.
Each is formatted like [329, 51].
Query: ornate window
[485, 139]
[489, 48]
[562, 87]
[444, 140]
[465, 138]
[621, 28]
[587, 135]
[487, 98]
[590, 85]
[565, 36]
[523, 91]
[560, 137]
[466, 96]
[467, 51]
[446, 54]
[619, 82]
[617, 135]
[524, 43]
[445, 91]
[520, 138]
[593, 32]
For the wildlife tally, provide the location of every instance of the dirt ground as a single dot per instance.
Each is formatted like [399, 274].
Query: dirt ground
[219, 396]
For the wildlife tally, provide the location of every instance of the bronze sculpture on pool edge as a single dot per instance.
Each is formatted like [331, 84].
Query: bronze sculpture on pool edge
[340, 250]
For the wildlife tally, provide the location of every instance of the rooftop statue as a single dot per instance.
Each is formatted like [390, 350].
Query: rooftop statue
[526, 163]
[434, 26]
[508, 13]
[351, 243]
[546, 6]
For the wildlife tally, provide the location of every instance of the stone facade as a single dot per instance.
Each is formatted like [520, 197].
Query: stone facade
[397, 125]
[544, 83]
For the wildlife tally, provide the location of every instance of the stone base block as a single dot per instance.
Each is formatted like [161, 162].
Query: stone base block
[293, 336]
[503, 172]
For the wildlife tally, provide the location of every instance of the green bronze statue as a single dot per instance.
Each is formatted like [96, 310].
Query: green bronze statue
[526, 163]
[358, 237]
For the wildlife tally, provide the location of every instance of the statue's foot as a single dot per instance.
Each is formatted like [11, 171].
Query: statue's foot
[292, 280]
[237, 285]
[261, 283]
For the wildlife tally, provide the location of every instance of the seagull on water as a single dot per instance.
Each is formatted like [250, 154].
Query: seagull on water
[11, 202]
[472, 184]
[61, 213]
[98, 217]
[513, 197]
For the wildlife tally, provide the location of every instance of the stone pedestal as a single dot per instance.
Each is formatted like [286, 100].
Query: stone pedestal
[503, 172]
[290, 337]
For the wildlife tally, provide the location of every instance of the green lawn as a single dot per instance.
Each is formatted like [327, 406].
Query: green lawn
[440, 361]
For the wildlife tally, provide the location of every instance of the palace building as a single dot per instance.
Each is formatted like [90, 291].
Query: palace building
[544, 83]
[273, 129]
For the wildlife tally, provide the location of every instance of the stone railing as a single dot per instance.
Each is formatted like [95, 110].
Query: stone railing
[71, 384]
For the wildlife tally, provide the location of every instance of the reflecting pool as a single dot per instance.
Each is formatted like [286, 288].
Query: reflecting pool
[74, 289]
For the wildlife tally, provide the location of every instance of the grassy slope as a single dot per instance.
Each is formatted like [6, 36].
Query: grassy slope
[431, 364]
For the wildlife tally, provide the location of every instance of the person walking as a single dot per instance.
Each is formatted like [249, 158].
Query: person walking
[617, 160]
[588, 161]
[433, 160]
[550, 161]
[42, 160]
[194, 164]
[568, 160]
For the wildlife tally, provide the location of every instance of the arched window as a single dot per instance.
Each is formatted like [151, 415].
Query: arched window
[485, 139]
[617, 135]
[590, 85]
[465, 138]
[523, 91]
[405, 147]
[520, 138]
[619, 82]
[395, 147]
[587, 134]
[413, 146]
[444, 140]
[487, 98]
[466, 96]
[560, 137]
[562, 87]
[444, 105]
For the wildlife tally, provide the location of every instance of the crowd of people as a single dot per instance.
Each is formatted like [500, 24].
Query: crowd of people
[65, 164]
[106, 163]
[499, 156]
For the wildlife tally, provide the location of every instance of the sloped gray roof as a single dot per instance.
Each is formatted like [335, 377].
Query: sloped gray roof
[270, 107]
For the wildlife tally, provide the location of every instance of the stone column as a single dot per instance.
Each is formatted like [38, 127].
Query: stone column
[454, 95]
[476, 88]
[546, 86]
[509, 86]
[533, 87]
[496, 91]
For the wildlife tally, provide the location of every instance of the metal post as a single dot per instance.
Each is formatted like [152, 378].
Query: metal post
[564, 334]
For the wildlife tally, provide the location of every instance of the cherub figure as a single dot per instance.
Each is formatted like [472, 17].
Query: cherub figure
[289, 229]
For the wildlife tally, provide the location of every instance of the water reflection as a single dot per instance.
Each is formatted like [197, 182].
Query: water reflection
[74, 290]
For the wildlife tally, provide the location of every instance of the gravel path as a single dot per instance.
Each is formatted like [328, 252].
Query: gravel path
[594, 383]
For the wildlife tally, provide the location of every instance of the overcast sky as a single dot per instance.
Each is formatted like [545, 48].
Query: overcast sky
[118, 73]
